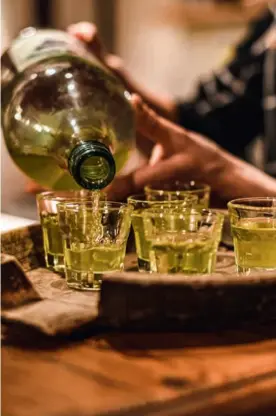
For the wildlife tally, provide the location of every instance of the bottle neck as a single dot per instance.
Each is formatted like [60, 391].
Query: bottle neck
[92, 165]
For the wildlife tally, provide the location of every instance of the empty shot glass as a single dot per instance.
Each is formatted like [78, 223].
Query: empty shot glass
[141, 204]
[180, 190]
[94, 241]
[253, 224]
[183, 242]
[47, 203]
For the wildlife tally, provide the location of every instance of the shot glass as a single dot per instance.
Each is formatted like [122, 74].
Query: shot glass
[141, 204]
[94, 240]
[253, 224]
[179, 190]
[182, 242]
[47, 203]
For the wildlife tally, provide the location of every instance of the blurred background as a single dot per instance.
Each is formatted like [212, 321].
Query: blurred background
[166, 44]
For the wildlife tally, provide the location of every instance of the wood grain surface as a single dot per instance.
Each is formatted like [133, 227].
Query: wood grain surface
[228, 373]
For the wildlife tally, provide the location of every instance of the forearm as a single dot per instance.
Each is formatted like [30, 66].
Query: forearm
[233, 178]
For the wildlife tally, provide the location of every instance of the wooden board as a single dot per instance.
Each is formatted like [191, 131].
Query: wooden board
[229, 373]
[130, 300]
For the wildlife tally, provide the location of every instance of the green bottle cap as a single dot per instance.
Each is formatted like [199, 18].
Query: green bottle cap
[92, 165]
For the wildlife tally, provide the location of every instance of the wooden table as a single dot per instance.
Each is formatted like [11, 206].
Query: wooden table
[227, 373]
[142, 374]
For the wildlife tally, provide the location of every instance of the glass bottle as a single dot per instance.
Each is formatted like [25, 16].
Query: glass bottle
[67, 120]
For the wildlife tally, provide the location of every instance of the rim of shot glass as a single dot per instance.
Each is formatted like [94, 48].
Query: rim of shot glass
[255, 204]
[163, 229]
[89, 205]
[252, 250]
[185, 212]
[161, 188]
[196, 219]
[142, 199]
[140, 203]
[47, 203]
[78, 232]
[63, 195]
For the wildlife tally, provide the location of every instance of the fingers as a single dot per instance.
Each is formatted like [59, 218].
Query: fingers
[148, 122]
[88, 33]
[157, 154]
[116, 64]
[83, 30]
[178, 167]
[144, 145]
[151, 125]
[150, 174]
[33, 188]
[120, 188]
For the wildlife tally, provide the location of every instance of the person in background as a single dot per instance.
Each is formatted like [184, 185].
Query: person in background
[186, 155]
[230, 108]
[233, 106]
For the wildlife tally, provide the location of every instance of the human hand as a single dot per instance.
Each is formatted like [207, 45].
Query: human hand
[180, 154]
[88, 33]
[33, 187]
[183, 155]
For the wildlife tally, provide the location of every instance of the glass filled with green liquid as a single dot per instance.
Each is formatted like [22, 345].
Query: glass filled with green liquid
[140, 204]
[253, 224]
[94, 240]
[183, 242]
[180, 190]
[47, 203]
[67, 120]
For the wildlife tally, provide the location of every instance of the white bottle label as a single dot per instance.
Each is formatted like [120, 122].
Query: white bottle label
[36, 45]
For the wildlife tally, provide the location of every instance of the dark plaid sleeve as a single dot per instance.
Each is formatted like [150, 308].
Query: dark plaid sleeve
[228, 107]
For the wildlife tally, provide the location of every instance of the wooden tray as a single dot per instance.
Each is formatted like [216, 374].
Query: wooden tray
[138, 301]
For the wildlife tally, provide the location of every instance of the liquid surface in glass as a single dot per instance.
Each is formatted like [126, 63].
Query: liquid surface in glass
[52, 241]
[52, 236]
[255, 243]
[188, 253]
